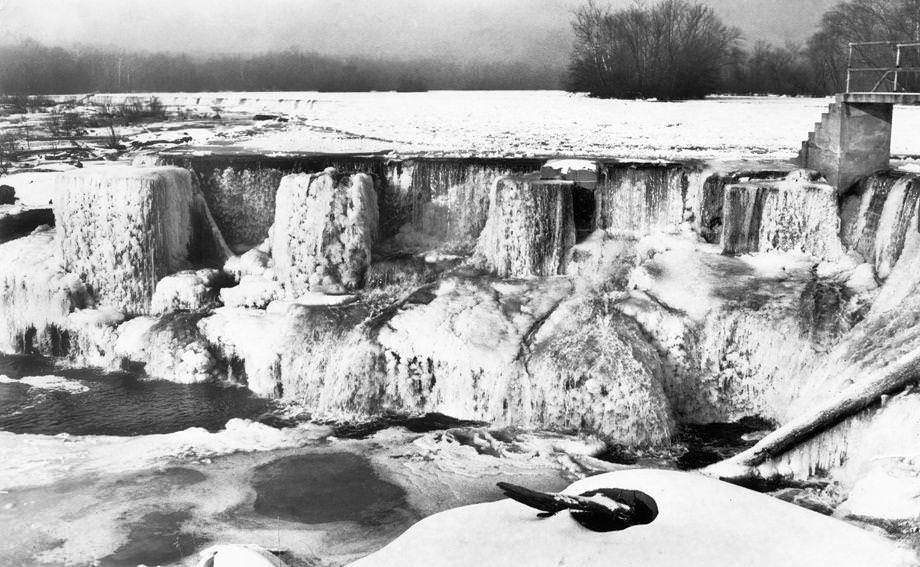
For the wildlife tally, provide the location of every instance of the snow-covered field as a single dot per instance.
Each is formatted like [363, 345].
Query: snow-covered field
[523, 123]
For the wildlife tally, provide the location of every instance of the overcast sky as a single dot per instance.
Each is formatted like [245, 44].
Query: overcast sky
[454, 29]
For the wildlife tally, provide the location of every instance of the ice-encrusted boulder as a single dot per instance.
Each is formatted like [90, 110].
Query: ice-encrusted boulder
[735, 333]
[253, 292]
[170, 347]
[458, 354]
[250, 342]
[701, 522]
[254, 262]
[889, 489]
[188, 290]
[324, 227]
[783, 215]
[122, 229]
[36, 294]
[530, 229]
[591, 369]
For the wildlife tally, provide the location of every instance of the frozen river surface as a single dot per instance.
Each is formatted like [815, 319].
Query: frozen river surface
[526, 123]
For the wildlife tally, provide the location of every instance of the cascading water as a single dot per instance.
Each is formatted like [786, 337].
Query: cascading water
[636, 200]
[877, 228]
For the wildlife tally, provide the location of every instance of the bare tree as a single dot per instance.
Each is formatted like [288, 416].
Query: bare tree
[862, 21]
[672, 50]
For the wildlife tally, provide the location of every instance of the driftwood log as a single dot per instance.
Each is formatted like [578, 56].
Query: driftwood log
[888, 380]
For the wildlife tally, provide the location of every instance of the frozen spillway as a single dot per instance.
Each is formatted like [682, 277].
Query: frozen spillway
[635, 200]
[36, 295]
[875, 221]
[325, 225]
[782, 215]
[122, 229]
[531, 227]
[444, 200]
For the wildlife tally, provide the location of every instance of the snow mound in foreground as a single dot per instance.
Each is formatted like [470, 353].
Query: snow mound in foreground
[701, 521]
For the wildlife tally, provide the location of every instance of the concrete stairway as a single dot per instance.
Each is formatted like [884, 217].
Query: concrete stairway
[852, 140]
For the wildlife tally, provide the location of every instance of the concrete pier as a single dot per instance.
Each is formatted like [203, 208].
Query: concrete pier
[853, 138]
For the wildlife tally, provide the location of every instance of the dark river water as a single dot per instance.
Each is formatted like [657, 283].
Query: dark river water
[120, 403]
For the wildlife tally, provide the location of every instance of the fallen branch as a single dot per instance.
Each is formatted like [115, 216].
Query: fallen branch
[888, 380]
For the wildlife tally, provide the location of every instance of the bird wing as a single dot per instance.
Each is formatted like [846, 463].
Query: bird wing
[548, 502]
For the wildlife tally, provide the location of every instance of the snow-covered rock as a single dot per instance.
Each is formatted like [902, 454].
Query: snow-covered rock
[20, 220]
[249, 342]
[582, 171]
[238, 555]
[253, 292]
[324, 227]
[254, 262]
[36, 294]
[530, 228]
[188, 290]
[888, 490]
[701, 522]
[122, 229]
[171, 347]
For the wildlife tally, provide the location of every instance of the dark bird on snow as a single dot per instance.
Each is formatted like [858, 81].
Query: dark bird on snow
[601, 510]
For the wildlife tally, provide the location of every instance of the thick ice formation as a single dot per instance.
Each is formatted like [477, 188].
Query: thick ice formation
[36, 294]
[701, 522]
[876, 220]
[875, 359]
[734, 333]
[443, 201]
[171, 347]
[592, 369]
[122, 229]
[458, 353]
[530, 227]
[324, 228]
[249, 341]
[786, 215]
[635, 201]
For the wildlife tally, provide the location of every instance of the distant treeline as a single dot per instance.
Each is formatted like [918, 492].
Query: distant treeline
[675, 49]
[32, 68]
[669, 49]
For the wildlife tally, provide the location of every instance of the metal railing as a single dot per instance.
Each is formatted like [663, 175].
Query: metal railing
[890, 73]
